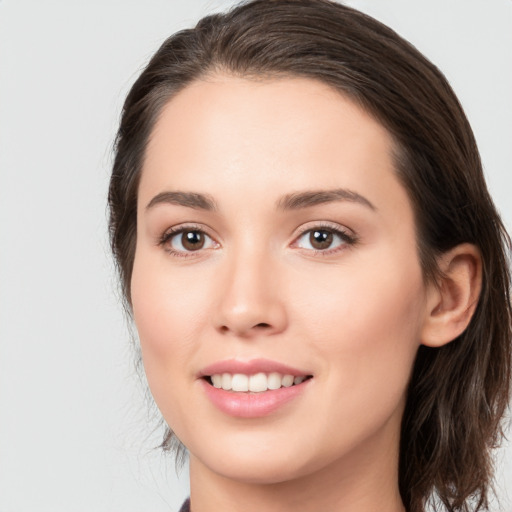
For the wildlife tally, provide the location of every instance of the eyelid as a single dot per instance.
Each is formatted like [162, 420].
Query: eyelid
[173, 231]
[327, 225]
[346, 234]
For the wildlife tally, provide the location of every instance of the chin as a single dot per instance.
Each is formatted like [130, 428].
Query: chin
[253, 470]
[252, 459]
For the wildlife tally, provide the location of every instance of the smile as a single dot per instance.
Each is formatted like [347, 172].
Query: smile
[252, 389]
[257, 383]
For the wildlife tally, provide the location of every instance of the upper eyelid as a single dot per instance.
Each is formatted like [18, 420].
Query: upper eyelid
[298, 232]
[301, 229]
[180, 228]
[327, 225]
[347, 235]
[165, 240]
[168, 235]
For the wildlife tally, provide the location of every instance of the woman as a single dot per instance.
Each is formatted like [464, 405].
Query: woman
[314, 265]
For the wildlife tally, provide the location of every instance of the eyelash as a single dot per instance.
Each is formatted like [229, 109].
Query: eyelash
[174, 231]
[349, 239]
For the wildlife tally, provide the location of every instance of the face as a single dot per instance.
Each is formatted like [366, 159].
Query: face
[275, 245]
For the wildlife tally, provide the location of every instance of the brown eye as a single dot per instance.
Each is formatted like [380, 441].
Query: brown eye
[184, 241]
[326, 239]
[320, 239]
[192, 240]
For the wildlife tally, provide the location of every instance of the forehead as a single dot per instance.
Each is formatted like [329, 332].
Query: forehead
[227, 134]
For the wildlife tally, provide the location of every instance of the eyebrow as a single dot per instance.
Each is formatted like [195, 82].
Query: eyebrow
[299, 200]
[187, 199]
[294, 201]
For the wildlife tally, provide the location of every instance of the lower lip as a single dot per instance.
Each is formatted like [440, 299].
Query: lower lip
[252, 405]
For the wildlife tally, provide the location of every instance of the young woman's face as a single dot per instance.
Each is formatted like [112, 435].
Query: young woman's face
[275, 244]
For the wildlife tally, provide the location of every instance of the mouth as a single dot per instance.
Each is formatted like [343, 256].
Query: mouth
[254, 388]
[255, 383]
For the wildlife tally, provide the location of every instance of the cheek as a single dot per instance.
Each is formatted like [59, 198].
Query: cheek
[368, 324]
[165, 309]
[374, 296]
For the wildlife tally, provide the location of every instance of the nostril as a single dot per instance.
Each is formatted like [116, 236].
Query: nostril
[262, 326]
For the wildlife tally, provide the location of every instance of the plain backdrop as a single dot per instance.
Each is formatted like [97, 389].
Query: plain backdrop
[75, 433]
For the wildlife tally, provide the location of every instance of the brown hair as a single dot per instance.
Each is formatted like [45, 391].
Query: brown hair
[458, 393]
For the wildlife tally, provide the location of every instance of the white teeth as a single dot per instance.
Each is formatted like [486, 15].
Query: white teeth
[217, 381]
[274, 380]
[240, 382]
[256, 383]
[226, 381]
[287, 381]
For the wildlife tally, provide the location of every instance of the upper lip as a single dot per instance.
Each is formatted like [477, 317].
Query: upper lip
[250, 367]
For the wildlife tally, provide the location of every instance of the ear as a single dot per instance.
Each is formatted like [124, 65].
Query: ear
[452, 300]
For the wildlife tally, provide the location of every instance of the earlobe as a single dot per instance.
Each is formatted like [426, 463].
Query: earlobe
[452, 301]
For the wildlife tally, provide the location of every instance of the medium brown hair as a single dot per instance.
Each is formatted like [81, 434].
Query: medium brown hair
[458, 393]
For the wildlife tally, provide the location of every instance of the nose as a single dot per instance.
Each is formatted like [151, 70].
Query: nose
[250, 298]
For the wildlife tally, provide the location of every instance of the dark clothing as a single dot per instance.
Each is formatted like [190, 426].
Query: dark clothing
[186, 506]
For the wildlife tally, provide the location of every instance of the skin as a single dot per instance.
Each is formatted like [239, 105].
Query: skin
[352, 315]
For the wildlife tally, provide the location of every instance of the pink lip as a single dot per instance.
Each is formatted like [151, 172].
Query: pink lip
[252, 405]
[247, 404]
[250, 368]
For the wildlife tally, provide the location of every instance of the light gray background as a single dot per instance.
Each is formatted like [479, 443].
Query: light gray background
[74, 431]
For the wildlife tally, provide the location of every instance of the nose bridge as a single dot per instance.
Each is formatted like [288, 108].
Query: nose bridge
[250, 298]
